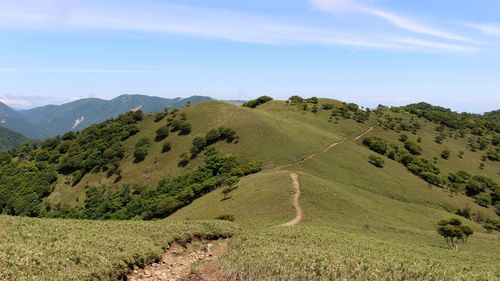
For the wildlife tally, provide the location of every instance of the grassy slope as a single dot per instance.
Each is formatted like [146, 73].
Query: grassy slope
[271, 135]
[49, 249]
[360, 222]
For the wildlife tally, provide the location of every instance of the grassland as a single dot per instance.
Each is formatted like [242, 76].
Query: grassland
[50, 249]
[360, 222]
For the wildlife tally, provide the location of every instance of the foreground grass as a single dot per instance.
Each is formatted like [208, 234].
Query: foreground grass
[49, 249]
[316, 253]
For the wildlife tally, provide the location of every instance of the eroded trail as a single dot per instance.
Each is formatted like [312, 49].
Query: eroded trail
[191, 261]
[296, 201]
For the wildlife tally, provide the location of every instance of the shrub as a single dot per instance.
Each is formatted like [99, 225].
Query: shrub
[225, 217]
[141, 150]
[403, 138]
[445, 154]
[482, 199]
[184, 160]
[313, 100]
[161, 133]
[167, 146]
[413, 148]
[465, 212]
[376, 144]
[493, 155]
[377, 161]
[182, 126]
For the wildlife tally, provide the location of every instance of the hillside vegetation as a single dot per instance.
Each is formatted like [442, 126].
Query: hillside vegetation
[10, 139]
[374, 184]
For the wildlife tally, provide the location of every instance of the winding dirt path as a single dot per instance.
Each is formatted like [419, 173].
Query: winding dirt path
[296, 201]
[295, 178]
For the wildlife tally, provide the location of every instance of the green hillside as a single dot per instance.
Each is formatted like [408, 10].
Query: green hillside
[374, 184]
[10, 139]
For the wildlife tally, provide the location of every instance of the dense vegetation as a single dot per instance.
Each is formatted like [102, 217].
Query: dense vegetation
[482, 189]
[142, 202]
[28, 172]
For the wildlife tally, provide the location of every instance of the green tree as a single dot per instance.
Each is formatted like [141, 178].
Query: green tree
[454, 232]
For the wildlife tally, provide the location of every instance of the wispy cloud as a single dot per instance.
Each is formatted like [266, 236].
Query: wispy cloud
[402, 22]
[219, 24]
[78, 70]
[486, 28]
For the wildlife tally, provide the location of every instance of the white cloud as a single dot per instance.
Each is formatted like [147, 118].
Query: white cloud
[486, 28]
[396, 20]
[195, 21]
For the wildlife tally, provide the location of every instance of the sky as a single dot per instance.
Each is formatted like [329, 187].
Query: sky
[371, 52]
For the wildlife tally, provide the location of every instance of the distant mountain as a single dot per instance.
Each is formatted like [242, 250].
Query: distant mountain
[10, 139]
[17, 122]
[77, 115]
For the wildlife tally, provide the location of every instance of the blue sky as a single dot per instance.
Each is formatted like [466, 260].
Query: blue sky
[392, 52]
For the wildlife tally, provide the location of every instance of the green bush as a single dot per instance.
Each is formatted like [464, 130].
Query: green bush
[166, 147]
[256, 102]
[161, 133]
[412, 147]
[141, 150]
[377, 161]
[445, 154]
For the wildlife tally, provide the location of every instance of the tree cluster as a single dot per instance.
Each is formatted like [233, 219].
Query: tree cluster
[258, 101]
[454, 232]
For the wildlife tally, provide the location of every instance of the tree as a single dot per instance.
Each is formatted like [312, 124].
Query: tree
[256, 102]
[295, 99]
[454, 232]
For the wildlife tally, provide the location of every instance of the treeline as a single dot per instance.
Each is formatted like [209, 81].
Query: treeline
[142, 202]
[343, 110]
[27, 173]
[477, 124]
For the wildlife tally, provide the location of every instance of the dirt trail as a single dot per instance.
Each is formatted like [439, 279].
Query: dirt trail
[183, 262]
[363, 134]
[296, 201]
[313, 155]
[295, 178]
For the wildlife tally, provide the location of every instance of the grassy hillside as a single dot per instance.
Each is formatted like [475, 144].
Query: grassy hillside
[360, 222]
[51, 249]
